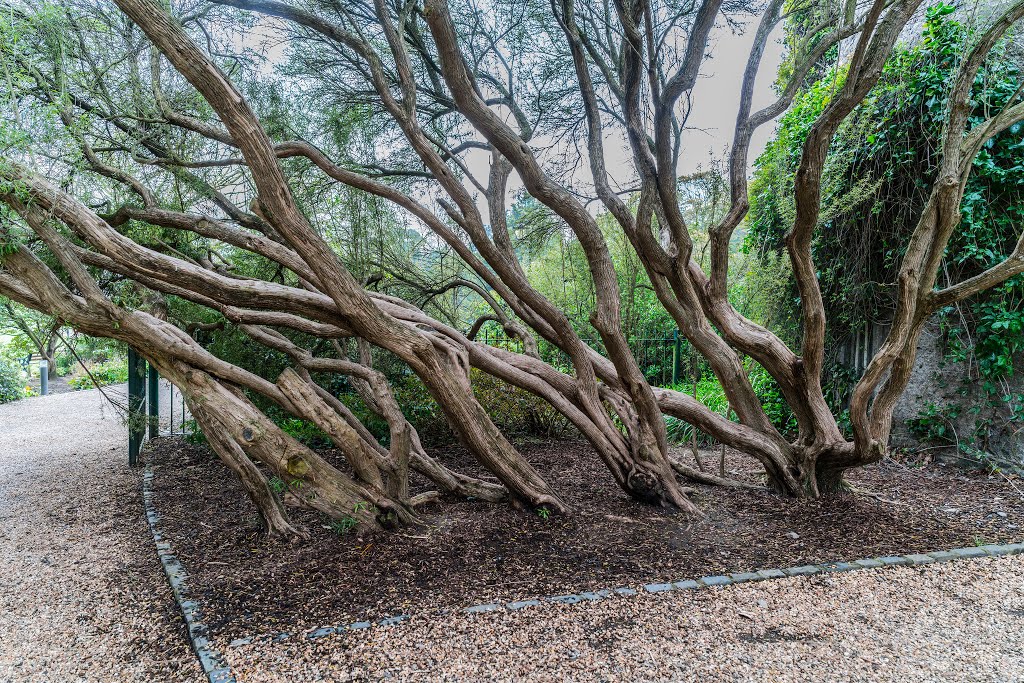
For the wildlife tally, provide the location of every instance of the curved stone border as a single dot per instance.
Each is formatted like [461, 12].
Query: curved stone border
[214, 666]
[695, 584]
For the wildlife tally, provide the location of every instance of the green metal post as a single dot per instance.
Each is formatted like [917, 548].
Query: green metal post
[154, 403]
[136, 405]
[677, 357]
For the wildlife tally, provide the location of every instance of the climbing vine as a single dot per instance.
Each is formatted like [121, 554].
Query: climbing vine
[881, 167]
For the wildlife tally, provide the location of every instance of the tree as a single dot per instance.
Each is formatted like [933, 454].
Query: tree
[877, 178]
[214, 153]
[38, 330]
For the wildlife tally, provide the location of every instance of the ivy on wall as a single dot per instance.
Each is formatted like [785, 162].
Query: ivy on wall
[880, 170]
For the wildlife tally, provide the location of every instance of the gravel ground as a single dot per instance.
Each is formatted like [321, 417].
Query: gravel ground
[82, 594]
[82, 598]
[961, 621]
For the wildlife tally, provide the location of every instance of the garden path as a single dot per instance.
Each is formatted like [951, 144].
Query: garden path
[82, 593]
[953, 622]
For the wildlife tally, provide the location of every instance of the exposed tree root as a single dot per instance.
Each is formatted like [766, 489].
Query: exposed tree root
[712, 479]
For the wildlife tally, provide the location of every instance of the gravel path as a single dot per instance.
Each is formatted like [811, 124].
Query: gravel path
[961, 621]
[82, 594]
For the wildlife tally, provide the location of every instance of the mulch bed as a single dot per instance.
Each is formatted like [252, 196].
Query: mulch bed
[475, 553]
[54, 386]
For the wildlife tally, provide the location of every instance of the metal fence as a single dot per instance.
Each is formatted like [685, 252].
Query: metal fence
[155, 406]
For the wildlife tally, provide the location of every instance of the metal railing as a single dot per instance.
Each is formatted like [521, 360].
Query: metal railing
[155, 406]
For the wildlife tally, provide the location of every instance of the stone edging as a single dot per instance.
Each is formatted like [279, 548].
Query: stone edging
[214, 665]
[706, 582]
[218, 671]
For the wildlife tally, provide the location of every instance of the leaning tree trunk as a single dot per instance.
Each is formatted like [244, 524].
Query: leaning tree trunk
[448, 385]
[814, 471]
[268, 504]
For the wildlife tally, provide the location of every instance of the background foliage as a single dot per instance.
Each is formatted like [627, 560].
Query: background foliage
[879, 172]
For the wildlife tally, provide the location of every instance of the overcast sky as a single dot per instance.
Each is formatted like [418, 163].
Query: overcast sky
[711, 123]
[710, 126]
[717, 97]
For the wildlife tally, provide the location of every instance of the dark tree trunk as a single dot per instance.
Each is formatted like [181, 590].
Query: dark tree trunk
[50, 354]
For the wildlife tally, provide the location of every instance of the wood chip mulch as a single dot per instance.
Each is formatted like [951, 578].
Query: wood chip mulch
[473, 552]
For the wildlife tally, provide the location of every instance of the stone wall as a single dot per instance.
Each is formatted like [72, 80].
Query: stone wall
[950, 385]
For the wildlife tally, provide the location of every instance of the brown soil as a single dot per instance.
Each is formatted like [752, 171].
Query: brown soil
[54, 386]
[475, 553]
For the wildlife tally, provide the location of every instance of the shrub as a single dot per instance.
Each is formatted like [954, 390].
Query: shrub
[710, 393]
[935, 422]
[113, 371]
[515, 411]
[304, 432]
[12, 387]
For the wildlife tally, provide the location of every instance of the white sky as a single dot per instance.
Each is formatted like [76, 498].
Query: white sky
[711, 123]
[717, 97]
[710, 126]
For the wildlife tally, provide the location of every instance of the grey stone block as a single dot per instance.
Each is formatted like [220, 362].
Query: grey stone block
[743, 577]
[520, 604]
[942, 556]
[591, 595]
[839, 567]
[239, 642]
[771, 574]
[221, 675]
[895, 560]
[391, 621]
[918, 558]
[716, 580]
[1014, 548]
[805, 570]
[475, 609]
[359, 625]
[565, 599]
[994, 549]
[321, 632]
[970, 552]
[658, 587]
[687, 585]
[869, 563]
[624, 592]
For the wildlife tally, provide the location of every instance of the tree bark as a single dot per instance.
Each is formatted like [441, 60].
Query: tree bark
[271, 510]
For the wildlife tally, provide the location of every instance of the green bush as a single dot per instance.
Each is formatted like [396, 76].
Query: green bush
[935, 423]
[65, 363]
[775, 406]
[710, 392]
[113, 371]
[11, 385]
[514, 411]
[304, 432]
